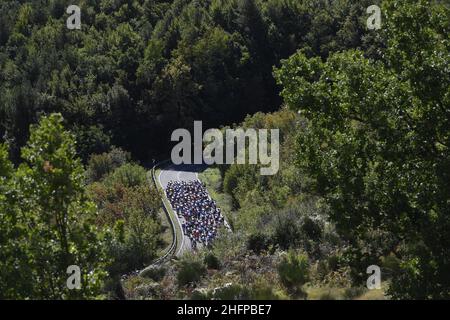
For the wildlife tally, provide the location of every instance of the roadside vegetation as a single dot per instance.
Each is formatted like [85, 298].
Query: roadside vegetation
[364, 156]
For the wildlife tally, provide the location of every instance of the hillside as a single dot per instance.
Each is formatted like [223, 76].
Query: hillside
[364, 164]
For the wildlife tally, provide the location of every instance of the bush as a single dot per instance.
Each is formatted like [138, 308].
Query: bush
[90, 140]
[322, 269]
[258, 242]
[128, 175]
[287, 233]
[190, 272]
[200, 294]
[153, 272]
[390, 265]
[231, 292]
[134, 243]
[142, 236]
[234, 291]
[293, 271]
[333, 262]
[142, 198]
[99, 165]
[311, 229]
[328, 296]
[138, 288]
[211, 261]
[126, 201]
[263, 290]
[119, 157]
[148, 290]
[353, 292]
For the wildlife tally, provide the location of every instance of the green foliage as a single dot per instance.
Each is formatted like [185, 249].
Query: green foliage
[287, 232]
[364, 144]
[327, 296]
[353, 292]
[293, 271]
[100, 165]
[258, 290]
[49, 220]
[91, 140]
[141, 239]
[128, 175]
[127, 203]
[139, 288]
[13, 251]
[141, 69]
[211, 261]
[49, 223]
[155, 273]
[228, 291]
[258, 242]
[190, 271]
[264, 290]
[6, 166]
[375, 142]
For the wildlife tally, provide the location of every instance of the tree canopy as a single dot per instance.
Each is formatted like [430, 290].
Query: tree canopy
[377, 143]
[139, 69]
[47, 220]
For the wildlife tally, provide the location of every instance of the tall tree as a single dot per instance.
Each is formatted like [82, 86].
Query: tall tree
[52, 221]
[377, 144]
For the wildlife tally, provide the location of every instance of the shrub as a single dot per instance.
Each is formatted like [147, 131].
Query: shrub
[134, 244]
[128, 175]
[190, 271]
[211, 261]
[200, 294]
[231, 292]
[230, 180]
[138, 288]
[119, 157]
[90, 140]
[263, 290]
[258, 242]
[142, 198]
[99, 165]
[327, 296]
[333, 262]
[287, 233]
[322, 269]
[390, 266]
[293, 271]
[353, 292]
[142, 235]
[311, 229]
[155, 273]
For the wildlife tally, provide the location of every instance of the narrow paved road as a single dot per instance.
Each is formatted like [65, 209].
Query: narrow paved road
[180, 173]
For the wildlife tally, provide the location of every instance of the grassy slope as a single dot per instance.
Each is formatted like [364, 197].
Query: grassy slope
[166, 236]
[213, 180]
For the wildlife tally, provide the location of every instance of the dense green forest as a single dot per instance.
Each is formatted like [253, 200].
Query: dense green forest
[140, 69]
[364, 117]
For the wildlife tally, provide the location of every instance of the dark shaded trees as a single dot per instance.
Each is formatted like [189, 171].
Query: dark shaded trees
[140, 69]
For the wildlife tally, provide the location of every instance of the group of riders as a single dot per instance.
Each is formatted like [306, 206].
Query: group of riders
[191, 202]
